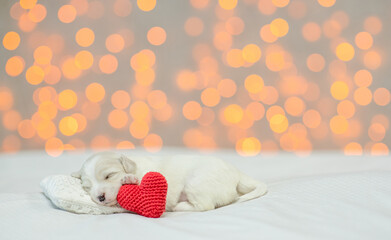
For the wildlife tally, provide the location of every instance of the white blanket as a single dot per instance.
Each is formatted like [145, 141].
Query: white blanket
[324, 196]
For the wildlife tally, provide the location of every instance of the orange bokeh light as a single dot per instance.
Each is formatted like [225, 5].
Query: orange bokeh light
[115, 43]
[156, 36]
[85, 37]
[95, 92]
[11, 40]
[108, 64]
[14, 66]
[67, 13]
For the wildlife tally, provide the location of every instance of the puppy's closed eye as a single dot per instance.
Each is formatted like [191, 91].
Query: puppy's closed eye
[108, 176]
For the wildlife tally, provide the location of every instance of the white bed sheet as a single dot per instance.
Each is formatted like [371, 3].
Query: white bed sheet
[322, 196]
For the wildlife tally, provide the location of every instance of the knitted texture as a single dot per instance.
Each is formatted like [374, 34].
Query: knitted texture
[147, 199]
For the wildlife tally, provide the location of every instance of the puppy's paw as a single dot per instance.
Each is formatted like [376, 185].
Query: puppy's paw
[129, 179]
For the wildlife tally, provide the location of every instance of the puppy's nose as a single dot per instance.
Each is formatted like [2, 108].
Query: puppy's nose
[101, 198]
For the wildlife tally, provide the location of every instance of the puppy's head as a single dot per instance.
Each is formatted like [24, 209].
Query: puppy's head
[101, 176]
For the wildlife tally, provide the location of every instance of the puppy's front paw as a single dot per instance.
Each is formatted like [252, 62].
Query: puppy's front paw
[129, 179]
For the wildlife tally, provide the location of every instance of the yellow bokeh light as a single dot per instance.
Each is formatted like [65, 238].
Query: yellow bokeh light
[108, 64]
[47, 110]
[84, 59]
[35, 75]
[115, 43]
[27, 4]
[254, 83]
[67, 13]
[339, 124]
[43, 55]
[67, 99]
[248, 146]
[156, 36]
[326, 3]
[339, 90]
[233, 113]
[68, 126]
[95, 92]
[228, 4]
[279, 27]
[14, 66]
[278, 123]
[146, 5]
[11, 40]
[142, 60]
[345, 51]
[85, 37]
[280, 3]
[251, 53]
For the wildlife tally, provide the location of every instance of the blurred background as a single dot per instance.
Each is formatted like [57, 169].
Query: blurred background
[257, 76]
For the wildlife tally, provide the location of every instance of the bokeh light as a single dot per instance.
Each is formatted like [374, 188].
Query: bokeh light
[256, 76]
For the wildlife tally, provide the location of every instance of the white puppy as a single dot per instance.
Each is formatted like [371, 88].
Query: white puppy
[195, 183]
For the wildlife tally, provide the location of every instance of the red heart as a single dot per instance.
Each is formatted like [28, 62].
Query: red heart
[147, 199]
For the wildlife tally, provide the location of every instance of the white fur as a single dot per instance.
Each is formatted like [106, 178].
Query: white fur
[195, 183]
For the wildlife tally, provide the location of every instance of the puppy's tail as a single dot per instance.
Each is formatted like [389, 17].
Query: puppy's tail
[250, 188]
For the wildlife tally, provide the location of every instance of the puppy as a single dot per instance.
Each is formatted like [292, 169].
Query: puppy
[195, 183]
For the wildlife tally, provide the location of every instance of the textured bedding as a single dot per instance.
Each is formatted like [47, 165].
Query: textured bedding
[322, 196]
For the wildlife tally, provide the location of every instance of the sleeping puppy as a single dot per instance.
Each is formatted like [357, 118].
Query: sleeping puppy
[195, 183]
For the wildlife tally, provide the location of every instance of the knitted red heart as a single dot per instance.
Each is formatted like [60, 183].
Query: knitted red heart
[147, 199]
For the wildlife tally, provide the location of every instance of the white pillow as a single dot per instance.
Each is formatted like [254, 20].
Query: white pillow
[67, 193]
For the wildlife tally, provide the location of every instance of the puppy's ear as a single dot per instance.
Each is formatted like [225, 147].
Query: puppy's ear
[128, 165]
[76, 174]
